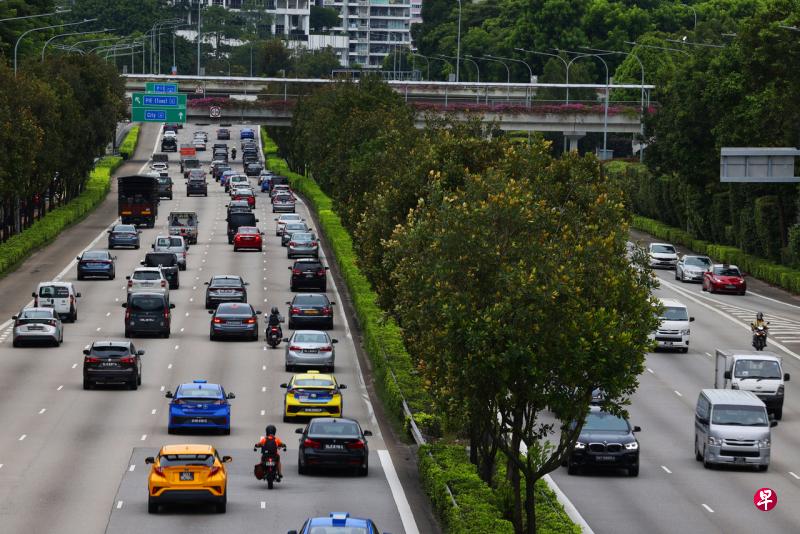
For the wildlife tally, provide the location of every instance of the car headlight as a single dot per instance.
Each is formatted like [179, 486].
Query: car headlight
[714, 441]
[632, 446]
[580, 445]
[686, 332]
[764, 443]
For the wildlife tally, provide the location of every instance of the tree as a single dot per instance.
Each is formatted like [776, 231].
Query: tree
[323, 18]
[220, 22]
[276, 57]
[314, 63]
[124, 16]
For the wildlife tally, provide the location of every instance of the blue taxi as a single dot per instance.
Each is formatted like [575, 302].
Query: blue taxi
[198, 405]
[338, 523]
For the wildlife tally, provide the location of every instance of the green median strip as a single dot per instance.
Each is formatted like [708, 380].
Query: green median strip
[128, 146]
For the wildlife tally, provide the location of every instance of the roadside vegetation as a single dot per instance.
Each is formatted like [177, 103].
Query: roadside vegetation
[505, 271]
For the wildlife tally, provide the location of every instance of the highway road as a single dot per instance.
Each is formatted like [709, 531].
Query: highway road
[673, 492]
[72, 460]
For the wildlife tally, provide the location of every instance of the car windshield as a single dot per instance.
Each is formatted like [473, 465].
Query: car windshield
[146, 275]
[302, 236]
[146, 303]
[163, 242]
[283, 198]
[164, 180]
[662, 249]
[126, 228]
[606, 422]
[307, 266]
[95, 255]
[675, 314]
[179, 460]
[731, 415]
[312, 382]
[241, 219]
[726, 271]
[757, 369]
[232, 308]
[296, 227]
[226, 282]
[329, 428]
[289, 217]
[310, 300]
[195, 392]
[698, 261]
[110, 350]
[36, 314]
[248, 230]
[302, 337]
[53, 292]
[316, 529]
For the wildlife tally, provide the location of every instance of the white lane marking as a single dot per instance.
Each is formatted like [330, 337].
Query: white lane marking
[169, 366]
[108, 314]
[162, 388]
[263, 389]
[263, 367]
[678, 393]
[22, 437]
[263, 412]
[187, 314]
[59, 388]
[406, 516]
[116, 300]
[650, 371]
[707, 507]
[191, 299]
[153, 412]
[98, 328]
[709, 355]
[177, 347]
[759, 295]
[1, 466]
[263, 505]
[74, 365]
[119, 505]
[265, 347]
[144, 437]
[132, 467]
[194, 287]
[795, 476]
[42, 411]
[181, 329]
[664, 467]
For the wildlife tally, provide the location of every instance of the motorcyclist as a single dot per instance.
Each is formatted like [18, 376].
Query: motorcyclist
[274, 319]
[759, 322]
[233, 153]
[269, 445]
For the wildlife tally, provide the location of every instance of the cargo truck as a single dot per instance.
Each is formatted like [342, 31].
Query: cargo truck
[138, 198]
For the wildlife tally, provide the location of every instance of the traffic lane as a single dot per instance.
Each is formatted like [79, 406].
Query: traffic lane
[284, 508]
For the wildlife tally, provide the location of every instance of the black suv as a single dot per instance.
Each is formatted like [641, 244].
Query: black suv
[165, 187]
[147, 313]
[168, 261]
[239, 218]
[225, 288]
[253, 169]
[112, 362]
[196, 186]
[606, 441]
[169, 144]
[308, 273]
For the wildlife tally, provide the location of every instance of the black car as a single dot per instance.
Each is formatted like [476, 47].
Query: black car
[240, 206]
[168, 261]
[237, 219]
[225, 288]
[220, 155]
[96, 263]
[147, 313]
[169, 144]
[311, 310]
[112, 362]
[234, 319]
[606, 441]
[223, 133]
[219, 169]
[123, 235]
[165, 187]
[196, 186]
[308, 273]
[253, 169]
[333, 442]
[291, 227]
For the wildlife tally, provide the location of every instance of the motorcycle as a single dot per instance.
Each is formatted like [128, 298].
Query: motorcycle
[233, 153]
[274, 336]
[267, 469]
[760, 337]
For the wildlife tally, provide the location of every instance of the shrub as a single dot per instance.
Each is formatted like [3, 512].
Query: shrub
[128, 146]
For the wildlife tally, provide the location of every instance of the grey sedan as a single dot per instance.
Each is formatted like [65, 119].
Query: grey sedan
[232, 319]
[302, 244]
[283, 203]
[311, 349]
[692, 268]
[37, 325]
[290, 228]
[123, 235]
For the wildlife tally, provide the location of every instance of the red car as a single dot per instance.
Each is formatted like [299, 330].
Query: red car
[247, 237]
[247, 195]
[724, 278]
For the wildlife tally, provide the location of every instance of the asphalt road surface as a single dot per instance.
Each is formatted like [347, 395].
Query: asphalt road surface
[72, 460]
[673, 492]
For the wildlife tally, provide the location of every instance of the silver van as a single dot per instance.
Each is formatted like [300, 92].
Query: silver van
[732, 427]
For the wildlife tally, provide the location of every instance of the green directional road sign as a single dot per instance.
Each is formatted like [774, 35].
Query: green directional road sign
[157, 87]
[158, 115]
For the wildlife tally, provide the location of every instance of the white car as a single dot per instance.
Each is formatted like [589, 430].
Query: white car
[36, 325]
[285, 218]
[673, 329]
[173, 243]
[149, 279]
[61, 296]
[662, 255]
[170, 134]
[159, 166]
[239, 180]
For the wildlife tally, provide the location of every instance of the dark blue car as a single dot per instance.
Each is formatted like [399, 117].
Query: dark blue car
[123, 235]
[198, 405]
[338, 522]
[96, 263]
[247, 133]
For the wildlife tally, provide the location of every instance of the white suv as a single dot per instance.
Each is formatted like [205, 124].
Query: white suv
[662, 255]
[673, 329]
[149, 279]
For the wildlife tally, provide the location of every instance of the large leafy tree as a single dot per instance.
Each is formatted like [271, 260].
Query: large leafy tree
[124, 16]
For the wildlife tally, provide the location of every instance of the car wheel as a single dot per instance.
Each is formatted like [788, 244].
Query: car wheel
[685, 350]
[779, 413]
[80, 277]
[763, 468]
[711, 288]
[287, 419]
[212, 337]
[676, 274]
[301, 468]
[152, 508]
[139, 379]
[171, 430]
[697, 455]
[291, 325]
[287, 368]
[165, 335]
[743, 293]
[133, 384]
[235, 249]
[113, 275]
[706, 463]
[182, 267]
[127, 333]
[704, 287]
[226, 431]
[255, 336]
[15, 343]
[572, 469]
[633, 471]
[87, 384]
[136, 247]
[330, 325]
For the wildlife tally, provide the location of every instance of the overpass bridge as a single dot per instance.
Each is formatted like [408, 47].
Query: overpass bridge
[512, 106]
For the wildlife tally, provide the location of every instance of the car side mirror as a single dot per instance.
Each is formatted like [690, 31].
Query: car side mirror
[149, 460]
[727, 375]
[342, 386]
[34, 294]
[259, 312]
[691, 319]
[168, 394]
[141, 262]
[153, 246]
[290, 268]
[205, 283]
[786, 377]
[14, 317]
[327, 268]
[108, 231]
[113, 257]
[637, 429]
[282, 320]
[284, 385]
[288, 303]
[140, 352]
[298, 431]
[286, 340]
[773, 423]
[211, 312]
[275, 219]
[231, 396]
[367, 433]
[171, 306]
[124, 304]
[127, 278]
[78, 258]
[226, 459]
[333, 303]
[334, 340]
[86, 351]
[78, 295]
[256, 220]
[292, 532]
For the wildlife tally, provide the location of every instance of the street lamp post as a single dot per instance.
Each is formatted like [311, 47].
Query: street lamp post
[198, 37]
[508, 72]
[36, 16]
[44, 47]
[465, 59]
[530, 70]
[694, 11]
[16, 45]
[458, 45]
[564, 61]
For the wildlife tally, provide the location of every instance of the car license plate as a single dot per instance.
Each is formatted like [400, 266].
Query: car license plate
[334, 447]
[667, 342]
[312, 312]
[199, 420]
[147, 319]
[315, 410]
[35, 328]
[186, 476]
[730, 286]
[739, 460]
[235, 323]
[309, 275]
[604, 458]
[109, 364]
[310, 351]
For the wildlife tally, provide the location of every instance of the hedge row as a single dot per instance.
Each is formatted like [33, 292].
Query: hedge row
[380, 333]
[770, 272]
[128, 146]
[45, 230]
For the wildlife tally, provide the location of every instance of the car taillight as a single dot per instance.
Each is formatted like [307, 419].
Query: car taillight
[295, 347]
[295, 311]
[130, 283]
[72, 299]
[217, 320]
[321, 272]
[313, 243]
[166, 314]
[159, 472]
[36, 302]
[91, 359]
[311, 444]
[326, 310]
[357, 444]
[251, 320]
[326, 349]
[292, 243]
[127, 315]
[52, 322]
[214, 471]
[163, 283]
[127, 359]
[296, 271]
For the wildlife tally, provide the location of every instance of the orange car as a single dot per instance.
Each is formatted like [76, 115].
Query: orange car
[187, 474]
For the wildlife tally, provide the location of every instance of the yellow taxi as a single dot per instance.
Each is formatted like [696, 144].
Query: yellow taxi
[312, 394]
[187, 474]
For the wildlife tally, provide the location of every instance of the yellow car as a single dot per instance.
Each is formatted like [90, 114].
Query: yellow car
[312, 394]
[187, 474]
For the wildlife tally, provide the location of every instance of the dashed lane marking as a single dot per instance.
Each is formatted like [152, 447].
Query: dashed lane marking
[795, 476]
[678, 393]
[153, 412]
[132, 467]
[42, 411]
[22, 437]
[707, 507]
[144, 437]
[59, 388]
[119, 505]
[664, 467]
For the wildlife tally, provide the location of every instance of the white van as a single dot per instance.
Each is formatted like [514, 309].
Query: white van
[673, 329]
[61, 296]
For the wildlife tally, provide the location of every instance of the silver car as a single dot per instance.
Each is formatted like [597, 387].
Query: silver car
[692, 268]
[302, 244]
[172, 243]
[283, 203]
[37, 325]
[311, 349]
[148, 279]
[291, 228]
[284, 219]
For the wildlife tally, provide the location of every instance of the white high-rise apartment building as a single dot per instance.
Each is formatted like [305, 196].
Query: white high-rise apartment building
[290, 18]
[375, 27]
